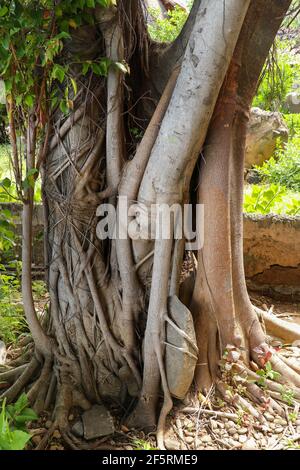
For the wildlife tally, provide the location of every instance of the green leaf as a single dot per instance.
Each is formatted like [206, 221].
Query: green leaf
[29, 101]
[90, 3]
[17, 440]
[26, 416]
[5, 183]
[58, 73]
[85, 67]
[3, 11]
[74, 85]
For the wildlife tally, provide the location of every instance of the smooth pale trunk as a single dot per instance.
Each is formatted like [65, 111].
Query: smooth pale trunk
[183, 130]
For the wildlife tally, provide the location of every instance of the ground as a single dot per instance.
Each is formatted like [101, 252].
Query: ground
[205, 423]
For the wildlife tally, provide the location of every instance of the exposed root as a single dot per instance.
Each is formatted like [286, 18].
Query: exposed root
[11, 376]
[287, 331]
[26, 376]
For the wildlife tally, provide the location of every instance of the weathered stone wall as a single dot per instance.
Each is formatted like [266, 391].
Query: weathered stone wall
[272, 254]
[271, 251]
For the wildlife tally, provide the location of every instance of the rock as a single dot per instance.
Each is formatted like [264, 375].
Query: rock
[172, 444]
[269, 416]
[48, 424]
[190, 439]
[77, 428]
[264, 130]
[253, 176]
[243, 439]
[278, 430]
[233, 443]
[206, 439]
[231, 431]
[3, 353]
[280, 421]
[292, 102]
[230, 424]
[250, 444]
[214, 424]
[242, 431]
[97, 422]
[180, 367]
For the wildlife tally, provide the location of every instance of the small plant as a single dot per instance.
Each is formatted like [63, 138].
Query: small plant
[166, 29]
[280, 73]
[273, 198]
[13, 421]
[140, 444]
[288, 396]
[293, 415]
[267, 373]
[12, 320]
[284, 168]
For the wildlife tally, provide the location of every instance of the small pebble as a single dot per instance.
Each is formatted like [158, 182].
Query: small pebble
[171, 444]
[206, 439]
[269, 416]
[231, 431]
[214, 424]
[190, 439]
[278, 430]
[243, 439]
[250, 444]
[242, 431]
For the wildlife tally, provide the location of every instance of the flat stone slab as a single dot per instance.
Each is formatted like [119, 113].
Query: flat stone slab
[97, 422]
[181, 358]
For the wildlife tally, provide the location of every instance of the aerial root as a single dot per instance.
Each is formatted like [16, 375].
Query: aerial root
[167, 403]
[26, 376]
[182, 333]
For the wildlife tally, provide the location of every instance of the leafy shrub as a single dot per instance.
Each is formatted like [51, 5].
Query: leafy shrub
[166, 29]
[273, 198]
[293, 123]
[13, 420]
[7, 235]
[281, 71]
[284, 168]
[12, 320]
[8, 192]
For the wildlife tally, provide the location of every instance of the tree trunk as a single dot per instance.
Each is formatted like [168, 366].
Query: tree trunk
[113, 302]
